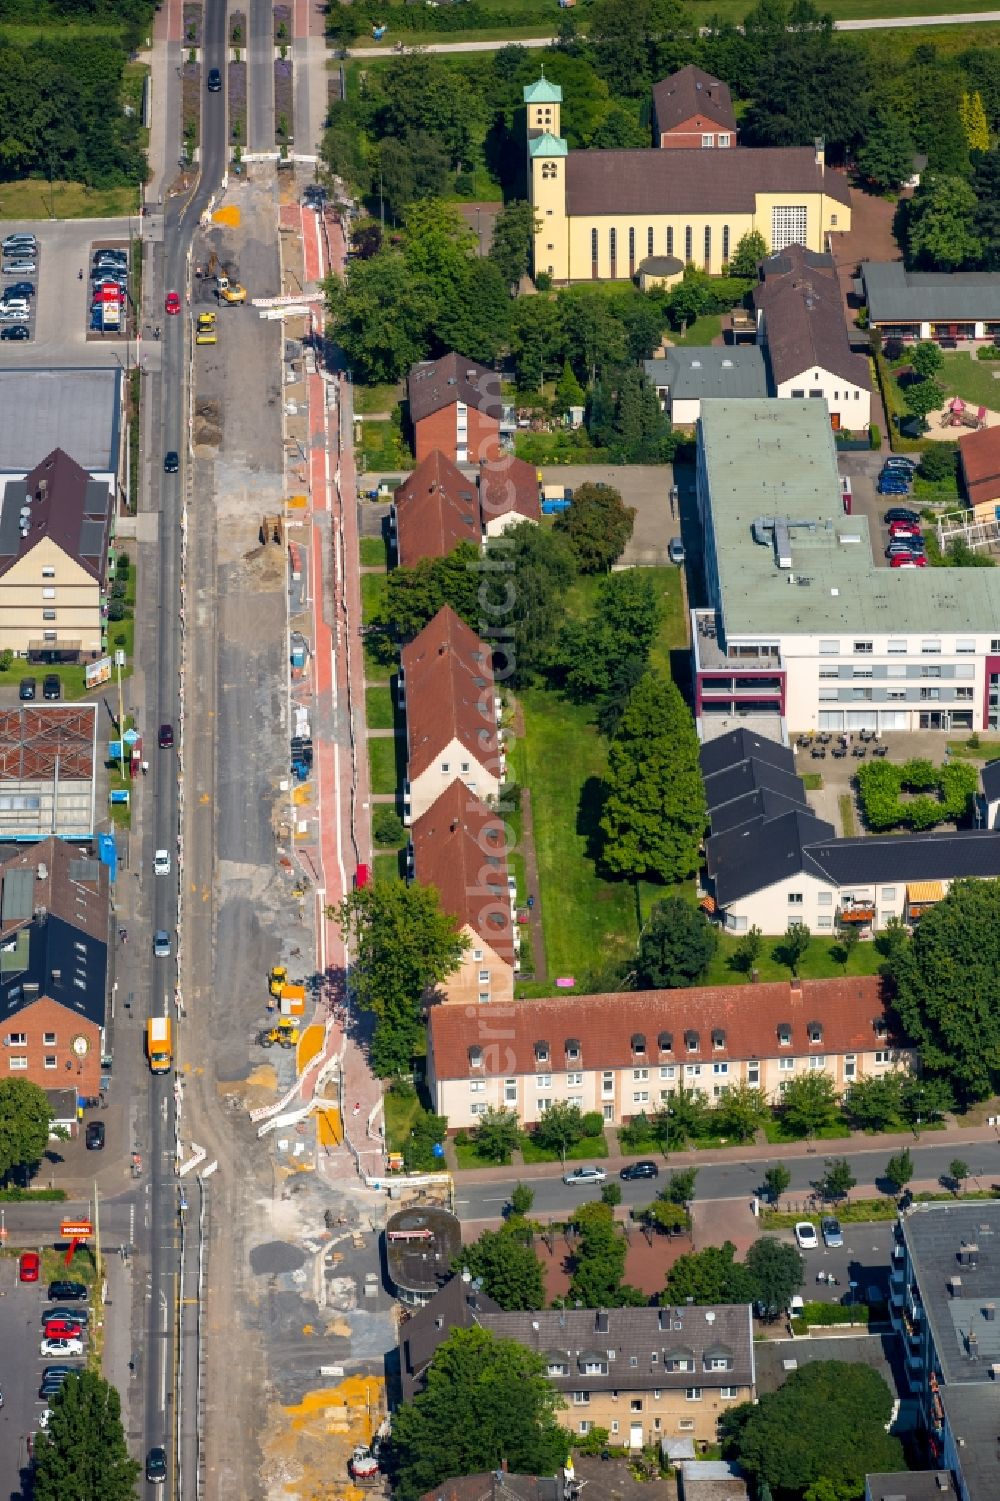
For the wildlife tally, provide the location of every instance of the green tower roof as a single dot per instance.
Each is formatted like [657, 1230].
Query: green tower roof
[547, 145]
[542, 92]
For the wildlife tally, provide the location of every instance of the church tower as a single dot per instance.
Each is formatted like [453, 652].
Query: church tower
[547, 157]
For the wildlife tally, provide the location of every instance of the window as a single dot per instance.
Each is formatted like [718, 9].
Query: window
[724, 141]
[464, 767]
[633, 1360]
[798, 393]
[818, 1060]
[477, 1107]
[635, 1405]
[572, 1079]
[720, 1068]
[584, 1425]
[477, 1086]
[48, 594]
[477, 954]
[788, 225]
[17, 1039]
[786, 1065]
[930, 648]
[707, 139]
[995, 646]
[888, 893]
[850, 1066]
[614, 1425]
[708, 245]
[824, 922]
[829, 648]
[581, 1399]
[510, 1091]
[670, 251]
[640, 1097]
[543, 1105]
[593, 252]
[692, 1394]
[688, 243]
[543, 1081]
[829, 672]
[640, 1073]
[863, 648]
[965, 644]
[753, 1072]
[896, 648]
[631, 245]
[484, 977]
[824, 898]
[719, 1363]
[607, 1082]
[613, 249]
[729, 1393]
[445, 767]
[693, 1070]
[883, 1056]
[48, 572]
[863, 672]
[49, 1039]
[678, 1363]
[49, 635]
[795, 898]
[484, 998]
[668, 1071]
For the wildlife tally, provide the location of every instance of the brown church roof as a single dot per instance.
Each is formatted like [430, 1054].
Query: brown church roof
[433, 384]
[436, 509]
[460, 847]
[690, 92]
[693, 182]
[448, 680]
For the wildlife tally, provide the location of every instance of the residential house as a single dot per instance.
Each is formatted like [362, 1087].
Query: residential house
[644, 1374]
[455, 407]
[687, 374]
[943, 1296]
[508, 494]
[803, 629]
[600, 214]
[693, 110]
[603, 1477]
[55, 538]
[433, 510]
[459, 846]
[979, 458]
[446, 690]
[800, 324]
[711, 1480]
[625, 1055]
[54, 916]
[948, 305]
[79, 410]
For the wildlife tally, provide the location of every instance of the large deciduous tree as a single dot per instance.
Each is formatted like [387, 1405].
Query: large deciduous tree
[597, 526]
[83, 1453]
[675, 946]
[598, 1260]
[776, 1270]
[710, 1276]
[885, 156]
[403, 946]
[380, 316]
[25, 1119]
[941, 225]
[809, 1103]
[527, 573]
[948, 988]
[414, 595]
[655, 811]
[486, 1403]
[511, 245]
[510, 1270]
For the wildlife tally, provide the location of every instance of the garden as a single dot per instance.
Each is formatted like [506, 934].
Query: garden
[915, 794]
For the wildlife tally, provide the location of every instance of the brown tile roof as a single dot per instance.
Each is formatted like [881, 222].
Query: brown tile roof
[689, 92]
[433, 384]
[460, 847]
[448, 677]
[65, 881]
[497, 1485]
[804, 323]
[506, 485]
[604, 1025]
[66, 505]
[693, 182]
[436, 509]
[980, 455]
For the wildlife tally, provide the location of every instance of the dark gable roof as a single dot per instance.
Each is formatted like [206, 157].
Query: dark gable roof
[54, 914]
[804, 325]
[693, 182]
[66, 506]
[758, 855]
[751, 776]
[916, 857]
[739, 745]
[764, 803]
[433, 384]
[689, 92]
[455, 1307]
[497, 1485]
[991, 780]
[796, 258]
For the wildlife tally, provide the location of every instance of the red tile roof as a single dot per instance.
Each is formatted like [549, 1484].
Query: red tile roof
[690, 92]
[506, 485]
[448, 678]
[748, 1016]
[436, 509]
[460, 847]
[696, 182]
[980, 454]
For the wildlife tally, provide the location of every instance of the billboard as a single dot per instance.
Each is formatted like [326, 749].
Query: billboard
[96, 673]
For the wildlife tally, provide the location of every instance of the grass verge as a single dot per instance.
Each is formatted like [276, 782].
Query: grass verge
[468, 1156]
[35, 199]
[848, 826]
[379, 710]
[383, 758]
[581, 1151]
[369, 399]
[373, 586]
[401, 1114]
[388, 866]
[373, 552]
[818, 963]
[778, 1134]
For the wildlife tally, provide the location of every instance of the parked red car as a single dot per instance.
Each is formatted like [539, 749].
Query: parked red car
[908, 560]
[28, 1266]
[903, 529]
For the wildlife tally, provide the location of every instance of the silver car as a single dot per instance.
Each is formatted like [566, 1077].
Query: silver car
[833, 1236]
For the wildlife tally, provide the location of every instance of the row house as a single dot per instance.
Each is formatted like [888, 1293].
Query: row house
[438, 506]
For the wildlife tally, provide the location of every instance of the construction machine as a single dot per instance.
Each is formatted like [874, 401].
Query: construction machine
[277, 978]
[284, 1035]
[230, 291]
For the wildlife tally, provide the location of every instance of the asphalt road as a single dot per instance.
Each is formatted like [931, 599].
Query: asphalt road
[260, 76]
[738, 1180]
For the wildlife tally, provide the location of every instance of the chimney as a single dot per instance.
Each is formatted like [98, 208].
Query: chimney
[820, 146]
[795, 985]
[454, 826]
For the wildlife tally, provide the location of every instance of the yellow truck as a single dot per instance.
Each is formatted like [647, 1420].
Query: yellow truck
[159, 1044]
[204, 332]
[230, 291]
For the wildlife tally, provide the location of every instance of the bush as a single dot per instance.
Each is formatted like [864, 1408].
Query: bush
[6, 659]
[123, 564]
[939, 463]
[593, 1124]
[387, 826]
[543, 281]
[116, 609]
[874, 435]
[880, 784]
[988, 352]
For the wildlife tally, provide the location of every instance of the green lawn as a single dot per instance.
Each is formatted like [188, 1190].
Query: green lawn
[388, 866]
[468, 1156]
[817, 964]
[372, 594]
[377, 671]
[381, 447]
[385, 758]
[380, 713]
[587, 1149]
[373, 552]
[376, 398]
[34, 198]
[986, 750]
[401, 1113]
[702, 331]
[778, 1133]
[971, 379]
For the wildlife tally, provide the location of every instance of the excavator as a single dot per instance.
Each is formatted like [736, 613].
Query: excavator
[284, 1035]
[225, 289]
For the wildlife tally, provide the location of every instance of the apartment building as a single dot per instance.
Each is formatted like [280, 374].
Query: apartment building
[644, 1374]
[459, 846]
[455, 407]
[624, 1055]
[433, 510]
[693, 110]
[452, 712]
[805, 629]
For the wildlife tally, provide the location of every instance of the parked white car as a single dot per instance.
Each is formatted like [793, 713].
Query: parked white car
[161, 863]
[805, 1236]
[61, 1347]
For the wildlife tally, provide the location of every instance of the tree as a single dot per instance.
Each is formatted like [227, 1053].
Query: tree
[619, 131]
[25, 1119]
[776, 1269]
[409, 170]
[611, 1194]
[403, 946]
[848, 939]
[498, 1133]
[598, 1260]
[837, 1180]
[603, 657]
[597, 526]
[426, 1133]
[528, 572]
[521, 1199]
[83, 1452]
[827, 1421]
[809, 1103]
[511, 1272]
[740, 1111]
[793, 946]
[625, 416]
[873, 1104]
[512, 242]
[709, 1276]
[776, 1181]
[667, 1218]
[568, 392]
[414, 595]
[947, 981]
[675, 946]
[927, 359]
[811, 85]
[559, 1128]
[751, 249]
[885, 156]
[682, 1119]
[381, 316]
[536, 340]
[923, 397]
[924, 1100]
[986, 186]
[973, 117]
[958, 1171]
[747, 950]
[680, 1186]
[487, 1401]
[899, 1170]
[941, 232]
[654, 811]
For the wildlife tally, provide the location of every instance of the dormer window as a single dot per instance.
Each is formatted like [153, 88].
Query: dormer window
[784, 1034]
[718, 1037]
[541, 1052]
[475, 1057]
[638, 1042]
[665, 1042]
[572, 1050]
[815, 1031]
[880, 1026]
[691, 1041]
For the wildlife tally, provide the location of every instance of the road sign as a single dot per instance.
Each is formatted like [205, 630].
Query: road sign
[76, 1229]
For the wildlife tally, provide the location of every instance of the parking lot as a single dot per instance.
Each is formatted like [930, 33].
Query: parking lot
[865, 1258]
[60, 324]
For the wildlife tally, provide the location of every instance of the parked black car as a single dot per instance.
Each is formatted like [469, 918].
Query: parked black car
[643, 1169]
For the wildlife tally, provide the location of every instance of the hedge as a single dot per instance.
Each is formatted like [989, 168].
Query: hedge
[880, 784]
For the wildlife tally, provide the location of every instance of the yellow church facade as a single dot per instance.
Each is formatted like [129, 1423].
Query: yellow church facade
[600, 214]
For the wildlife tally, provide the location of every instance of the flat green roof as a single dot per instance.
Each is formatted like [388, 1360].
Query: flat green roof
[776, 458]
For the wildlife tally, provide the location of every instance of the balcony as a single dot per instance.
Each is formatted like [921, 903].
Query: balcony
[857, 912]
